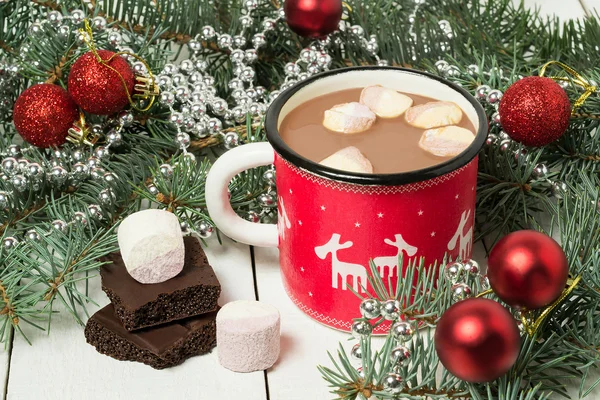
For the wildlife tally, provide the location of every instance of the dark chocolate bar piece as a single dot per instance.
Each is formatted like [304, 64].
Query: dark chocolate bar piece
[160, 347]
[193, 292]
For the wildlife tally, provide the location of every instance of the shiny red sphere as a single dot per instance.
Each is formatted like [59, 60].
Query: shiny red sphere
[43, 115]
[477, 340]
[535, 111]
[313, 18]
[98, 89]
[527, 269]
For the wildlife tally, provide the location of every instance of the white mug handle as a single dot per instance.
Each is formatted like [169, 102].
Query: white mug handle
[223, 170]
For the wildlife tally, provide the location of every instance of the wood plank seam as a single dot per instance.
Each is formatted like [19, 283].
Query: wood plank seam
[253, 261]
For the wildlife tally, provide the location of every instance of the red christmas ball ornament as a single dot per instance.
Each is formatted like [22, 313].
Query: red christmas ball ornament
[98, 89]
[477, 340]
[313, 18]
[535, 111]
[43, 115]
[527, 269]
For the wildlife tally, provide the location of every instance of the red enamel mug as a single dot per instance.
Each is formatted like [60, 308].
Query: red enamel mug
[331, 222]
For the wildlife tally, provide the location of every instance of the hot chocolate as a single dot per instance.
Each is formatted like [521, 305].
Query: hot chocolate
[377, 130]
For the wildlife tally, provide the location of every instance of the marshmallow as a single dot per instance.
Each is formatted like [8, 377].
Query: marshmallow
[434, 114]
[349, 118]
[447, 141]
[349, 159]
[151, 245]
[386, 103]
[248, 336]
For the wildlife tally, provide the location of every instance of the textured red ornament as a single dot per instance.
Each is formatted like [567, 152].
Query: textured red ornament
[535, 111]
[477, 340]
[527, 269]
[313, 18]
[96, 88]
[43, 115]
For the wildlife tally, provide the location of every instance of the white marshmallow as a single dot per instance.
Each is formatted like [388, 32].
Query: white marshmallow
[447, 141]
[434, 114]
[386, 103]
[248, 336]
[349, 159]
[349, 118]
[151, 245]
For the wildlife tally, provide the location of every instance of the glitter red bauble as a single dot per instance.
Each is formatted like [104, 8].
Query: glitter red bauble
[313, 18]
[535, 111]
[43, 115]
[477, 340]
[527, 269]
[96, 88]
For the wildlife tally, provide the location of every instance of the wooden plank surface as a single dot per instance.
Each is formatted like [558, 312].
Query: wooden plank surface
[63, 366]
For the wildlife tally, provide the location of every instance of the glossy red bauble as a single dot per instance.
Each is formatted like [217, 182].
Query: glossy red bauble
[313, 18]
[43, 115]
[98, 89]
[477, 340]
[527, 269]
[535, 111]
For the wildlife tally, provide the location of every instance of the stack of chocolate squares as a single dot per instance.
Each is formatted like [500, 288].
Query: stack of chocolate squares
[159, 324]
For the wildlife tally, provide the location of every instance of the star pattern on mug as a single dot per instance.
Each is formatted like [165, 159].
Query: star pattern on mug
[291, 191]
[457, 196]
[420, 213]
[357, 224]
[380, 215]
[323, 208]
[310, 294]
[300, 223]
[432, 234]
[301, 269]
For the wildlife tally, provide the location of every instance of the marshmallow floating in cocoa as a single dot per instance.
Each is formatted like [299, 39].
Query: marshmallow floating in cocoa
[385, 102]
[349, 118]
[151, 245]
[448, 141]
[434, 114]
[349, 159]
[248, 334]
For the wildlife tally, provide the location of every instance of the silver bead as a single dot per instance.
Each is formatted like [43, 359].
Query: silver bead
[152, 189]
[95, 212]
[255, 109]
[251, 56]
[460, 291]
[453, 271]
[494, 96]
[77, 16]
[64, 31]
[383, 63]
[266, 200]
[96, 130]
[214, 126]
[247, 74]
[251, 5]
[204, 230]
[219, 106]
[473, 70]
[208, 32]
[201, 65]
[182, 93]
[471, 267]
[237, 56]
[482, 92]
[10, 165]
[194, 45]
[107, 196]
[313, 68]
[231, 140]
[20, 183]
[35, 29]
[3, 199]
[252, 216]
[80, 217]
[99, 23]
[269, 176]
[187, 66]
[166, 170]
[281, 13]
[239, 41]
[393, 383]
[398, 355]
[370, 308]
[176, 119]
[390, 309]
[185, 227]
[110, 177]
[484, 282]
[491, 139]
[14, 150]
[274, 94]
[169, 69]
[236, 84]
[10, 242]
[357, 30]
[92, 162]
[496, 119]
[504, 136]
[189, 158]
[97, 173]
[59, 225]
[356, 352]
[303, 76]
[442, 66]
[259, 40]
[58, 175]
[324, 60]
[179, 80]
[209, 81]
[540, 171]
[246, 21]
[23, 164]
[402, 331]
[372, 48]
[114, 39]
[308, 55]
[167, 98]
[114, 137]
[453, 71]
[78, 155]
[126, 119]
[225, 41]
[35, 171]
[505, 145]
[361, 328]
[79, 171]
[268, 24]
[559, 189]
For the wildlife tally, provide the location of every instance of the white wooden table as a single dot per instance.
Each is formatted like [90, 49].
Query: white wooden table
[62, 366]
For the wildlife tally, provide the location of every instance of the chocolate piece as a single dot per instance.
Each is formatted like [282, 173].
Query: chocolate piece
[194, 291]
[160, 347]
